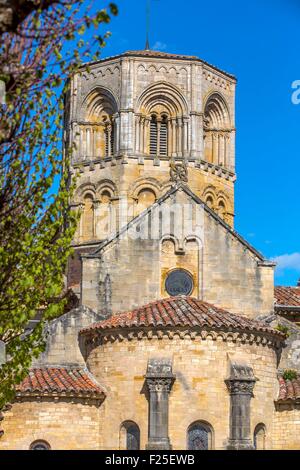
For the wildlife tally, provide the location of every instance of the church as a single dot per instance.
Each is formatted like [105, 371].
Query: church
[178, 338]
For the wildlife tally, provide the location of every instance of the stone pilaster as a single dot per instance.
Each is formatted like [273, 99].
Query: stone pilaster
[159, 380]
[240, 386]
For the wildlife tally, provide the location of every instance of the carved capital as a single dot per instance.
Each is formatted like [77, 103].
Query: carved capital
[159, 384]
[240, 387]
[241, 380]
[159, 377]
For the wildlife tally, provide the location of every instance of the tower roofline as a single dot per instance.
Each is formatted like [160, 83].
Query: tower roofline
[161, 55]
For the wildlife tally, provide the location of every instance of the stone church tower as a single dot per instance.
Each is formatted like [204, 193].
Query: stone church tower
[131, 114]
[179, 338]
[131, 117]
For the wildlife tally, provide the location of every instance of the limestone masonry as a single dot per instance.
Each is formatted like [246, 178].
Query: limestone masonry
[180, 339]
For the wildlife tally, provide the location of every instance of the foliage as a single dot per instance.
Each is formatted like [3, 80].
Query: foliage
[290, 374]
[282, 328]
[36, 226]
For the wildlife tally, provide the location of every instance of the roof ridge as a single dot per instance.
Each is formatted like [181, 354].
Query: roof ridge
[159, 54]
[173, 189]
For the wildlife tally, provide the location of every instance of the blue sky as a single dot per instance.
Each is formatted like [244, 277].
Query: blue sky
[258, 42]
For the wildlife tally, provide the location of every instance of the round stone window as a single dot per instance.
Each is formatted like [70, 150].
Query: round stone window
[179, 282]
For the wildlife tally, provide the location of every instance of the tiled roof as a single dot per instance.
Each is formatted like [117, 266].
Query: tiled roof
[289, 389]
[180, 311]
[151, 53]
[287, 296]
[66, 381]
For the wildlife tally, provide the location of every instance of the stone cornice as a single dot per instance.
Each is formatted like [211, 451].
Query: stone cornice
[200, 164]
[100, 337]
[286, 308]
[88, 399]
[150, 56]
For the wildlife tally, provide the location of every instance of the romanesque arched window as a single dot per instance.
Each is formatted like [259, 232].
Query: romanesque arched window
[210, 202]
[162, 122]
[129, 436]
[146, 197]
[40, 445]
[216, 131]
[260, 437]
[98, 129]
[88, 217]
[104, 215]
[199, 436]
[221, 209]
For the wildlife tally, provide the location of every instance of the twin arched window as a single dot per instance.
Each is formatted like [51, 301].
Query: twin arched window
[217, 131]
[88, 217]
[199, 436]
[96, 217]
[98, 127]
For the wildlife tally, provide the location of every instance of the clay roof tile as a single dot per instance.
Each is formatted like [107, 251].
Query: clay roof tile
[180, 311]
[55, 380]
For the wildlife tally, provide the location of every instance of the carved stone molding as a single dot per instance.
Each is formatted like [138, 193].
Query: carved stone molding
[178, 172]
[194, 333]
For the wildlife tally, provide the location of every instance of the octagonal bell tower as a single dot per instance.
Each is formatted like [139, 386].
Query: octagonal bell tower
[132, 115]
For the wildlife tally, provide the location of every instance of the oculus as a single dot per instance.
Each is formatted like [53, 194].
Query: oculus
[179, 282]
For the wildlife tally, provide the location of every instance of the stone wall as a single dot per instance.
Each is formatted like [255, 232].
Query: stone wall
[62, 346]
[198, 393]
[64, 425]
[226, 271]
[125, 80]
[126, 182]
[286, 434]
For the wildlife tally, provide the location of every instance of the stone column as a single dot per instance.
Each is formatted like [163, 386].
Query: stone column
[240, 386]
[117, 134]
[221, 149]
[179, 136]
[146, 135]
[142, 120]
[137, 134]
[185, 137]
[169, 153]
[174, 138]
[215, 148]
[83, 142]
[88, 142]
[226, 148]
[159, 380]
[109, 149]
